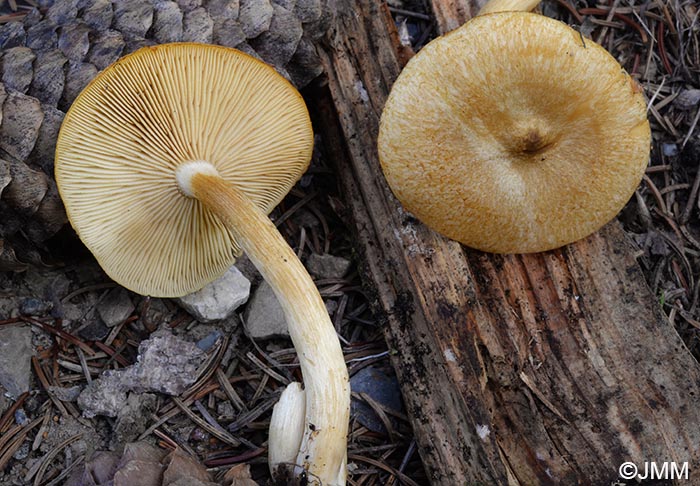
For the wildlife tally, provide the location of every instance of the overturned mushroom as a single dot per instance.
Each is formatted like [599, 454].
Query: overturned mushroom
[513, 133]
[168, 163]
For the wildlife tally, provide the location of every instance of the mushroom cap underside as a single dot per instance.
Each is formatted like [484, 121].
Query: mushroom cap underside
[139, 120]
[514, 134]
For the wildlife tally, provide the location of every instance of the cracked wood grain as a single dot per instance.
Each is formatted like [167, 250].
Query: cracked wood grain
[551, 368]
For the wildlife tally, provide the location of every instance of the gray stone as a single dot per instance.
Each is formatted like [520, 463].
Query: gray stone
[105, 395]
[225, 410]
[186, 481]
[167, 23]
[669, 149]
[305, 64]
[184, 470]
[141, 451]
[74, 41]
[264, 317]
[198, 26]
[78, 76]
[45, 146]
[255, 16]
[5, 176]
[288, 4]
[306, 218]
[189, 5]
[136, 44]
[278, 44]
[134, 417]
[42, 36]
[98, 14]
[22, 453]
[379, 387]
[327, 266]
[63, 12]
[331, 307]
[21, 417]
[115, 307]
[165, 364]
[157, 313]
[308, 10]
[209, 340]
[687, 99]
[28, 186]
[34, 307]
[317, 28]
[219, 299]
[66, 394]
[247, 268]
[106, 48]
[49, 217]
[138, 472]
[245, 47]
[223, 9]
[49, 77]
[15, 359]
[96, 330]
[17, 68]
[100, 468]
[229, 33]
[4, 401]
[227, 29]
[33, 17]
[133, 18]
[12, 35]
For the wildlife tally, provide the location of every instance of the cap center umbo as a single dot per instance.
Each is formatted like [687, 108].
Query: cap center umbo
[532, 140]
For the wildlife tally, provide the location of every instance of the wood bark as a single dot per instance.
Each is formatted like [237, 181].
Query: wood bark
[450, 14]
[550, 368]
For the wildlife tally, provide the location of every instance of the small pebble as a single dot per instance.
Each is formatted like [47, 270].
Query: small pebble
[670, 149]
[115, 307]
[34, 307]
[381, 388]
[327, 266]
[23, 452]
[21, 417]
[206, 343]
[264, 315]
[219, 299]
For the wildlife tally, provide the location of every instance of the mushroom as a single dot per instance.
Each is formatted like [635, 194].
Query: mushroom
[513, 133]
[168, 162]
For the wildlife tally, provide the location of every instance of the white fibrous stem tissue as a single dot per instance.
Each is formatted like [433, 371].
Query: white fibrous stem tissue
[287, 427]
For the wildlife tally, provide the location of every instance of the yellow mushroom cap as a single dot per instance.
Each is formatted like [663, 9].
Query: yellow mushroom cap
[513, 134]
[146, 115]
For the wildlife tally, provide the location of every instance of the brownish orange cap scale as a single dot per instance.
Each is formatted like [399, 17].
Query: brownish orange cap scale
[513, 134]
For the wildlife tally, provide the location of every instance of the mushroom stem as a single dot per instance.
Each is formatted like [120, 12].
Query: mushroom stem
[322, 453]
[494, 6]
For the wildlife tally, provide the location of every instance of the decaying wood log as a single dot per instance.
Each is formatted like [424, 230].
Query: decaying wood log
[450, 14]
[551, 368]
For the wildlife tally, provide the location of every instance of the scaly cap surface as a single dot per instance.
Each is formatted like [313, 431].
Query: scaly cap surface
[514, 134]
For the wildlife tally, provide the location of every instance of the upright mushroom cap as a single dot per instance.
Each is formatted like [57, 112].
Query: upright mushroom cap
[151, 112]
[514, 134]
